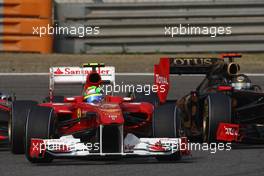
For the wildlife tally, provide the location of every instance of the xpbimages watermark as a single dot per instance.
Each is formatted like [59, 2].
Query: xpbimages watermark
[64, 147]
[79, 31]
[147, 89]
[212, 31]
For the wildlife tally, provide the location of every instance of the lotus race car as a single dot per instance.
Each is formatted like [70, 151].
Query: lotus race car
[72, 127]
[226, 106]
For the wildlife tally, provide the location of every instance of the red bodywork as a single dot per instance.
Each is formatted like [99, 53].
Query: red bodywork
[162, 78]
[111, 111]
[4, 110]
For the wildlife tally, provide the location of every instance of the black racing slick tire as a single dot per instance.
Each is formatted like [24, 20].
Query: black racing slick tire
[217, 109]
[16, 127]
[166, 123]
[40, 124]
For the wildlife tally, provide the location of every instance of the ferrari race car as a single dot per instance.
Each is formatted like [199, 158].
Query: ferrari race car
[225, 106]
[112, 126]
[5, 104]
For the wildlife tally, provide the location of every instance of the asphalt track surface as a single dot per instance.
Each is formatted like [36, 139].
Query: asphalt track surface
[241, 160]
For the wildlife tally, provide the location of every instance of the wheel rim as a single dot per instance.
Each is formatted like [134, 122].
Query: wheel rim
[205, 121]
[10, 128]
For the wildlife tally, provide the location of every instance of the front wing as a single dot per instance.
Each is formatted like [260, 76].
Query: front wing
[68, 146]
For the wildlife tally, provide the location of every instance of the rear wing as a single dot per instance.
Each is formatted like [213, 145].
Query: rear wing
[183, 65]
[77, 75]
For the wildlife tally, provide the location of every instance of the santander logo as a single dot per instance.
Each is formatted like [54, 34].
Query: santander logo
[58, 72]
[79, 71]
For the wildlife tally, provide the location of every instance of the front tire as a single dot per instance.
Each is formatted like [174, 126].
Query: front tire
[19, 112]
[166, 123]
[40, 124]
[217, 109]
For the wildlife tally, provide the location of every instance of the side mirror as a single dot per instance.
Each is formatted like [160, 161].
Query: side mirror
[70, 100]
[127, 99]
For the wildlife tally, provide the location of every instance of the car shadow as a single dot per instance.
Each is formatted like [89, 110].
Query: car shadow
[4, 147]
[247, 146]
[123, 161]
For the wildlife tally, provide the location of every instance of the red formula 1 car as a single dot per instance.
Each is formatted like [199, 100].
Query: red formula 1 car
[225, 106]
[5, 105]
[74, 127]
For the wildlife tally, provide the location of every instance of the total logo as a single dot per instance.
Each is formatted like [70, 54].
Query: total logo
[161, 79]
[78, 71]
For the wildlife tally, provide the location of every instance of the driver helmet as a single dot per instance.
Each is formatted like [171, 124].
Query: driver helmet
[241, 82]
[93, 94]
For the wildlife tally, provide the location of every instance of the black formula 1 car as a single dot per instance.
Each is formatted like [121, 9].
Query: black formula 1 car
[225, 106]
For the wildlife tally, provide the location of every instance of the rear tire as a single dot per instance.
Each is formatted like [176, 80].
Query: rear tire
[217, 109]
[166, 123]
[40, 124]
[19, 112]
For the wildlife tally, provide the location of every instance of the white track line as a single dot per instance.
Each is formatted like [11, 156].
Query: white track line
[151, 74]
[24, 74]
[118, 74]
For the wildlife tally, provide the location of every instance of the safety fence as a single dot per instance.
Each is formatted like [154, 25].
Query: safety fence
[153, 26]
[131, 26]
[18, 19]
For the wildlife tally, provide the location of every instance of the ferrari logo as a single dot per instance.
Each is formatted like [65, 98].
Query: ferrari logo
[79, 113]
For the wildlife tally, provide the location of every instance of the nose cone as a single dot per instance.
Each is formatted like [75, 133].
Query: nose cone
[110, 114]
